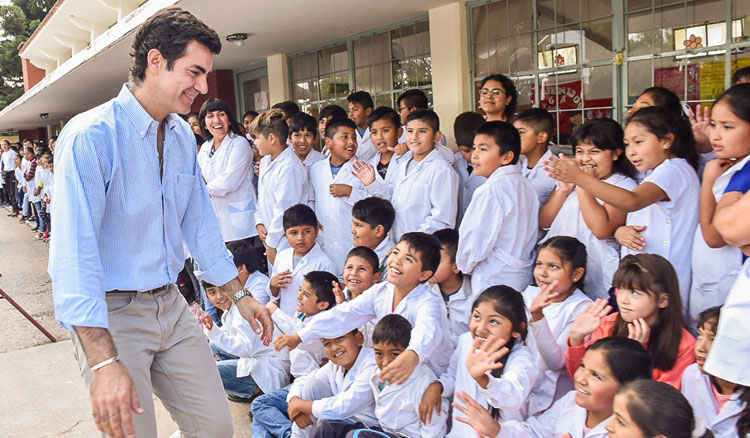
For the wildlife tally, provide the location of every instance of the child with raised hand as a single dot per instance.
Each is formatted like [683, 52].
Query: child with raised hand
[303, 134]
[609, 363]
[305, 255]
[723, 406]
[396, 406]
[383, 166]
[715, 263]
[491, 363]
[450, 284]
[411, 263]
[336, 190]
[554, 304]
[663, 209]
[464, 128]
[647, 408]
[372, 219]
[573, 211]
[499, 230]
[650, 311]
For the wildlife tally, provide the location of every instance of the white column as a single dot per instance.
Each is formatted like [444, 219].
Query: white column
[451, 83]
[278, 78]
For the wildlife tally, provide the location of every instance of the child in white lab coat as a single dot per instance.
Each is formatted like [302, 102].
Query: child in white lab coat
[384, 131]
[396, 406]
[535, 126]
[464, 128]
[554, 303]
[282, 180]
[336, 190]
[303, 133]
[500, 229]
[573, 211]
[646, 408]
[412, 262]
[248, 269]
[492, 362]
[247, 367]
[326, 114]
[301, 228]
[270, 417]
[339, 390]
[610, 363]
[453, 287]
[721, 405]
[663, 209]
[360, 107]
[372, 219]
[360, 273]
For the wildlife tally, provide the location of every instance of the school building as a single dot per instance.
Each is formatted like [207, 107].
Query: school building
[580, 59]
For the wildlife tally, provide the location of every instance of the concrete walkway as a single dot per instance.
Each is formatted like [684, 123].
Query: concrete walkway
[43, 394]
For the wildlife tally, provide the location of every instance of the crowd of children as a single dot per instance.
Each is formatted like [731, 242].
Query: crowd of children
[26, 183]
[505, 290]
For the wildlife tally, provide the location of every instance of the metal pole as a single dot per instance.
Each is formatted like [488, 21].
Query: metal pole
[5, 295]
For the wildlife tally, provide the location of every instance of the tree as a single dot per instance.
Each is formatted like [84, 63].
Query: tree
[18, 21]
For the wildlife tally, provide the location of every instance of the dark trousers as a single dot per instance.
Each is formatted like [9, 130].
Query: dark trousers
[347, 429]
[10, 189]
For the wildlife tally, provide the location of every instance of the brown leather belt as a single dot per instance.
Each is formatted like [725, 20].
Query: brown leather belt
[154, 291]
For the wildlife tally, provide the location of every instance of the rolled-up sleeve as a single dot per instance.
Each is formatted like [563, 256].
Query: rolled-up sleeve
[75, 260]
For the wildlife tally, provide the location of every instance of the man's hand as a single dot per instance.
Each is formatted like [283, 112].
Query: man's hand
[289, 341]
[251, 310]
[401, 368]
[340, 190]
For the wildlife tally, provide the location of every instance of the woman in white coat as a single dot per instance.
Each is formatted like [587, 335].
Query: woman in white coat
[226, 162]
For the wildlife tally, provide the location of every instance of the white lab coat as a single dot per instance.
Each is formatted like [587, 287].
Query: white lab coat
[383, 187]
[507, 393]
[282, 183]
[457, 311]
[731, 346]
[315, 260]
[381, 250]
[308, 356]
[714, 269]
[420, 307]
[268, 368]
[467, 183]
[365, 148]
[335, 213]
[538, 178]
[312, 157]
[548, 338]
[565, 416]
[228, 176]
[671, 224]
[697, 389]
[352, 397]
[257, 283]
[499, 232]
[603, 255]
[397, 406]
[425, 195]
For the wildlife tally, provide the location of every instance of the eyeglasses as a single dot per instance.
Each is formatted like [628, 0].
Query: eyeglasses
[401, 108]
[495, 91]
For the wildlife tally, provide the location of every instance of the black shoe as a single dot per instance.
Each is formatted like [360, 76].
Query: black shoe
[237, 399]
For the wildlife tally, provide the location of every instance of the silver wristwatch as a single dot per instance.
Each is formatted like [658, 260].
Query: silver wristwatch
[245, 292]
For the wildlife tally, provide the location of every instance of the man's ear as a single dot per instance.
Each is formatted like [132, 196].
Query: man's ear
[155, 61]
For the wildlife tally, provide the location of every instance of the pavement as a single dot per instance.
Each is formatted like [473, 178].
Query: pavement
[43, 394]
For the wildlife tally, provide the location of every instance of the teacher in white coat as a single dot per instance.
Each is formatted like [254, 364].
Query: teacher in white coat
[226, 162]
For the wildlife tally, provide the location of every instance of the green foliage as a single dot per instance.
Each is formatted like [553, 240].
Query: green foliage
[18, 21]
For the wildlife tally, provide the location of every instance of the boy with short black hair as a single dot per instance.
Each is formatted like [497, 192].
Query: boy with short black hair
[316, 295]
[535, 126]
[360, 107]
[248, 269]
[464, 128]
[290, 109]
[247, 367]
[499, 230]
[336, 190]
[303, 134]
[361, 272]
[372, 219]
[396, 406]
[450, 284]
[304, 255]
[411, 263]
[385, 131]
[282, 179]
[326, 114]
[338, 390]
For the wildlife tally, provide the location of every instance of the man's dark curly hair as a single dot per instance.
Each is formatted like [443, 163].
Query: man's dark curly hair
[169, 31]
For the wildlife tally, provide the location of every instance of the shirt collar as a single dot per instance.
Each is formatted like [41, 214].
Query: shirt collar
[137, 114]
[508, 169]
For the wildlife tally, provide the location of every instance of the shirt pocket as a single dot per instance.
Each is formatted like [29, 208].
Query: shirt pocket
[184, 185]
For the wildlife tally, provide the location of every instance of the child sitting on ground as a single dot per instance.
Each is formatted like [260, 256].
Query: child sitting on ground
[535, 126]
[396, 406]
[303, 134]
[247, 367]
[372, 219]
[248, 269]
[301, 228]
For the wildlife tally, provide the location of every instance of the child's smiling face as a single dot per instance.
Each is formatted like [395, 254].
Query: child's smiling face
[359, 275]
[343, 351]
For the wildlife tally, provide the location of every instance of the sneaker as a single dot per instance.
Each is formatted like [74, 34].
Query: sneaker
[46, 235]
[14, 214]
[39, 236]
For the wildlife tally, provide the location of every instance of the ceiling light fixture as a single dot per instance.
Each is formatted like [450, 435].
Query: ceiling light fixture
[238, 39]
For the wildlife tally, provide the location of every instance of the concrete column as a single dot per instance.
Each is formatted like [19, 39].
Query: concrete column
[451, 83]
[278, 78]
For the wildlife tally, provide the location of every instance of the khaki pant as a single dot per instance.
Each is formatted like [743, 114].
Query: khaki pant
[163, 348]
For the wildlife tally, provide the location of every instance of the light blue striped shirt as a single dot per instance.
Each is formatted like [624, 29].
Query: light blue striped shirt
[117, 226]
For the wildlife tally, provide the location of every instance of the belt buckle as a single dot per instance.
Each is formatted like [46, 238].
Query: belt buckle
[158, 290]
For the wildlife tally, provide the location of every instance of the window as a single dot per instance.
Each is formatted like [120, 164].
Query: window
[384, 63]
